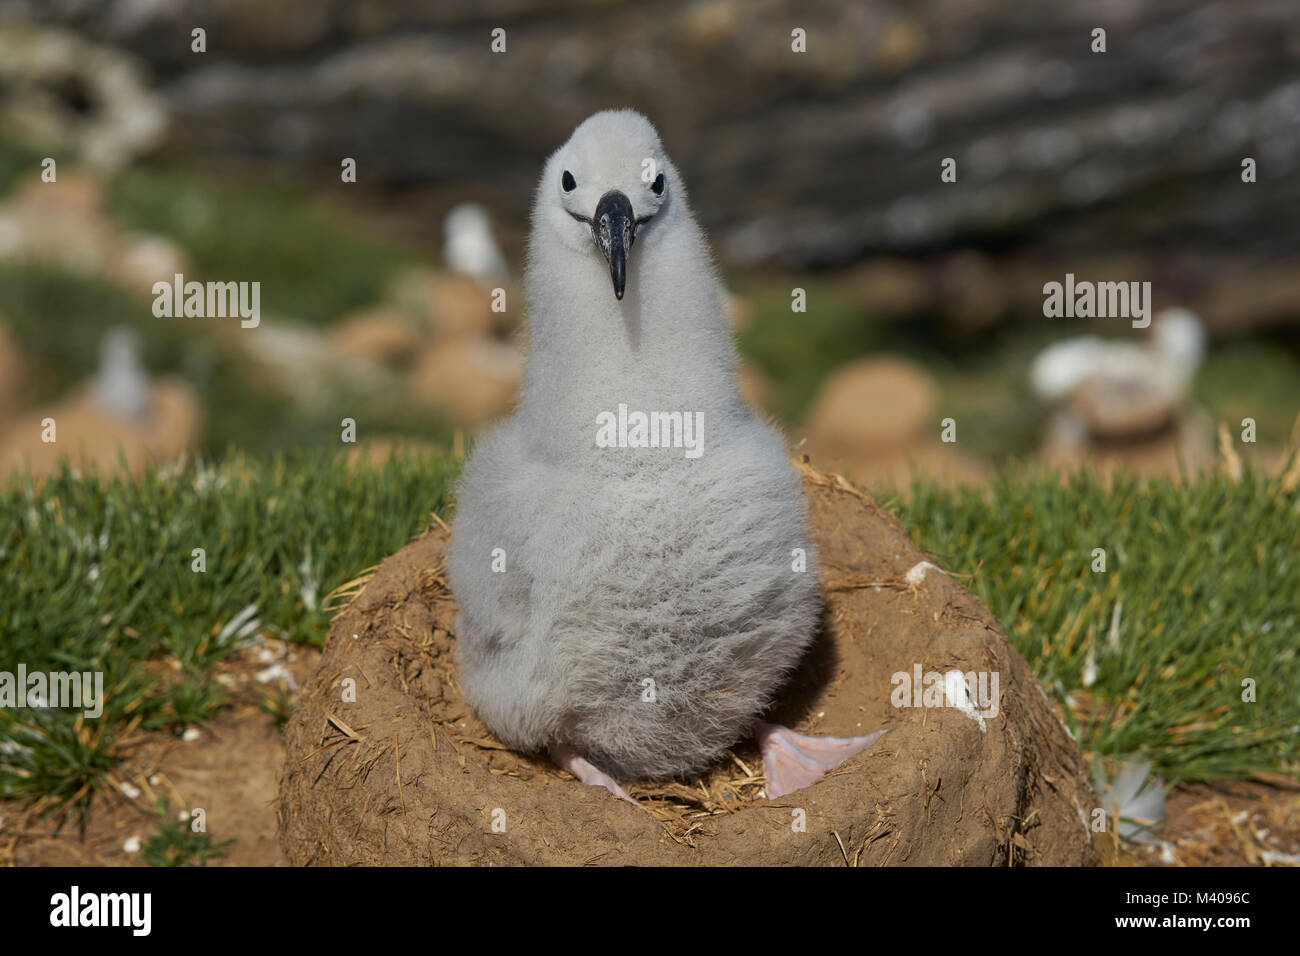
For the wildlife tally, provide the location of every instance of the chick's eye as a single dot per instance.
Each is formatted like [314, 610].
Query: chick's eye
[657, 187]
[568, 182]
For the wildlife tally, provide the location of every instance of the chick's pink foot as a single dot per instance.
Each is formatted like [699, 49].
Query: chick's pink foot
[580, 767]
[793, 761]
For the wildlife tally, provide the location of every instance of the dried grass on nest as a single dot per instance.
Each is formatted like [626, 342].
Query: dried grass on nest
[683, 807]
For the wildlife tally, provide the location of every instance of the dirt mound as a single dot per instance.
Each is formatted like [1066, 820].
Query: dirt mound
[406, 774]
[92, 440]
[874, 404]
[474, 380]
[876, 421]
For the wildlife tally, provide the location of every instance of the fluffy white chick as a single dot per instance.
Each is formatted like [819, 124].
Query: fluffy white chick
[469, 246]
[631, 610]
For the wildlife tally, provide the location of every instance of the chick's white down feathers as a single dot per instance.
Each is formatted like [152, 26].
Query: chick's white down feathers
[649, 605]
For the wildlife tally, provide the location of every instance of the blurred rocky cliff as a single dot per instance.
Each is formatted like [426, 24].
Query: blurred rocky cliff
[797, 159]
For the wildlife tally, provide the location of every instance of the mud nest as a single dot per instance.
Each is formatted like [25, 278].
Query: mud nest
[406, 774]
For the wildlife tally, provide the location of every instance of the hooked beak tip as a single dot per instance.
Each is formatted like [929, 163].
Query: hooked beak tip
[614, 231]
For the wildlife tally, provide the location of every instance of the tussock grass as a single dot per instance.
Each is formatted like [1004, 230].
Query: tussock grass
[1201, 592]
[176, 844]
[96, 575]
[314, 261]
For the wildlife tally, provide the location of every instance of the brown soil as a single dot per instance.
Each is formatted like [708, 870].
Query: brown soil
[406, 774]
[1227, 823]
[230, 772]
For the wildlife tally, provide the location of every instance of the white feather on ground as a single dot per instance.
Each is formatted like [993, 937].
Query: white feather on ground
[1139, 797]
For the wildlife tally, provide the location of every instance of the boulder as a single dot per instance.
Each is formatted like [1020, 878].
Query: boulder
[452, 306]
[740, 312]
[472, 380]
[13, 378]
[754, 386]
[874, 404]
[374, 452]
[65, 224]
[876, 421]
[383, 335]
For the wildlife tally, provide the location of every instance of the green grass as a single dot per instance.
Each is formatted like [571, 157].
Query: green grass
[1208, 577]
[97, 575]
[277, 703]
[58, 319]
[19, 161]
[314, 262]
[177, 843]
[1252, 379]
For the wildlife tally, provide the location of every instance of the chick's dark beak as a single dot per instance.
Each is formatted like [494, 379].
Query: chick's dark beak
[614, 230]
